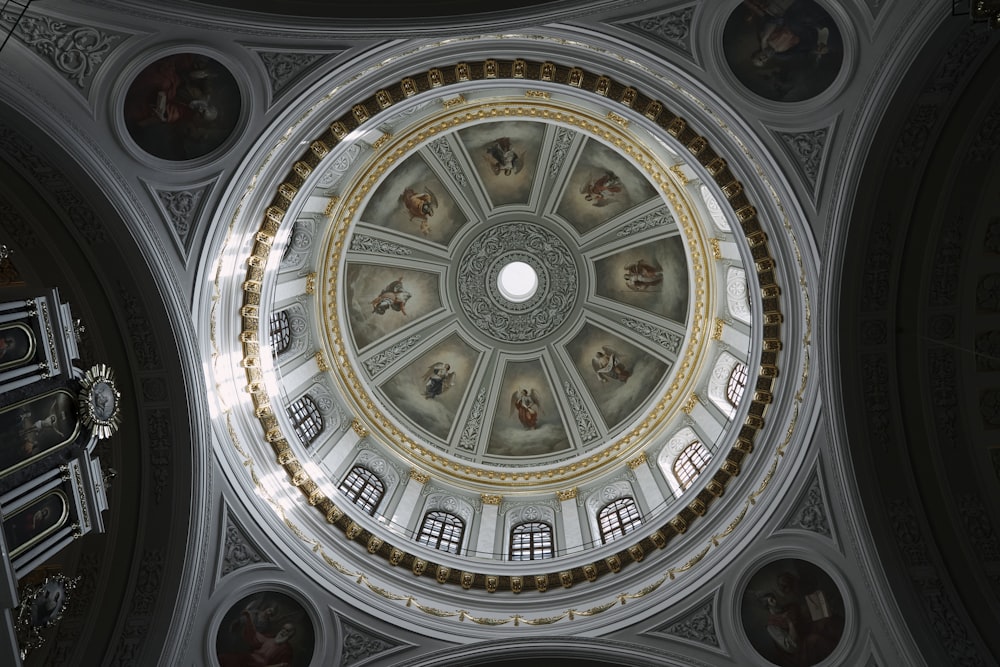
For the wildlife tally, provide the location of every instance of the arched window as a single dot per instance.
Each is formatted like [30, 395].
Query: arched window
[737, 383]
[306, 420]
[531, 541]
[281, 332]
[441, 530]
[364, 488]
[690, 462]
[618, 518]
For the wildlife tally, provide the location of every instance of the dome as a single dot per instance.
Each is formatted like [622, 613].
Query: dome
[451, 427]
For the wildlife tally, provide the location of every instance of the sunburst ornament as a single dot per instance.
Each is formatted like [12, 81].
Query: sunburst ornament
[99, 400]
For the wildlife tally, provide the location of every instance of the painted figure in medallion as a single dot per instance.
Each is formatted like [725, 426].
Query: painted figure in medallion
[438, 379]
[527, 406]
[420, 206]
[265, 628]
[641, 276]
[502, 158]
[392, 297]
[608, 365]
[601, 189]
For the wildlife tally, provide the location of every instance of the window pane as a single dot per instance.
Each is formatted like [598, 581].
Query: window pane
[531, 541]
[306, 420]
[690, 462]
[363, 488]
[737, 383]
[441, 530]
[281, 333]
[617, 519]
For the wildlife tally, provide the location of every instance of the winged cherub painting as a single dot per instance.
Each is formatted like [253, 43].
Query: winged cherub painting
[420, 206]
[502, 158]
[609, 365]
[599, 190]
[525, 403]
[438, 379]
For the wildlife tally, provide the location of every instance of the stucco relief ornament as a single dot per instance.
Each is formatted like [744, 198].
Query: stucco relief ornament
[100, 401]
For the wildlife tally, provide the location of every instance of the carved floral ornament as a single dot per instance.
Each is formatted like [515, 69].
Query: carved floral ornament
[761, 382]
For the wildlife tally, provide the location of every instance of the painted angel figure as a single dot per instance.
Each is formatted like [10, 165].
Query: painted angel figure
[598, 191]
[438, 379]
[502, 157]
[525, 402]
[392, 297]
[641, 275]
[609, 365]
[420, 206]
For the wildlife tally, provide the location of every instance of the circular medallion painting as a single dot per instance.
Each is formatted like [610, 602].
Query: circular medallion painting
[792, 613]
[265, 628]
[182, 107]
[784, 50]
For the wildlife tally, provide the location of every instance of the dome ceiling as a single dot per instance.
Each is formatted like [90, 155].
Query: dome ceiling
[630, 366]
[481, 376]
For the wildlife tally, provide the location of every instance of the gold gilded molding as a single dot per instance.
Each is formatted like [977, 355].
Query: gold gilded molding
[359, 428]
[716, 248]
[566, 494]
[311, 283]
[689, 404]
[490, 499]
[538, 94]
[321, 362]
[331, 205]
[717, 328]
[617, 118]
[381, 141]
[418, 476]
[453, 101]
[637, 461]
[678, 171]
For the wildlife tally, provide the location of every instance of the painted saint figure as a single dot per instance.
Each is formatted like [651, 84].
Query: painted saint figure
[502, 157]
[600, 190]
[609, 365]
[264, 650]
[438, 379]
[641, 276]
[420, 206]
[393, 296]
[525, 402]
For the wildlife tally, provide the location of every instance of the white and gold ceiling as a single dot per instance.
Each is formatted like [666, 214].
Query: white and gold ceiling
[380, 222]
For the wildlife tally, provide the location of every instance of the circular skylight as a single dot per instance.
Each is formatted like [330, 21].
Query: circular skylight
[517, 281]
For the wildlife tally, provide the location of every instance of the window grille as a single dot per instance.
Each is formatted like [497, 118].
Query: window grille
[441, 530]
[737, 384]
[690, 462]
[531, 541]
[281, 332]
[618, 518]
[364, 488]
[306, 420]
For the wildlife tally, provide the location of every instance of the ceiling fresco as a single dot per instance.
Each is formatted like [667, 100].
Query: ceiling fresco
[551, 374]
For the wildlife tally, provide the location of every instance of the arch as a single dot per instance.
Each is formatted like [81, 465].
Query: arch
[306, 419]
[532, 540]
[364, 488]
[618, 518]
[442, 530]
